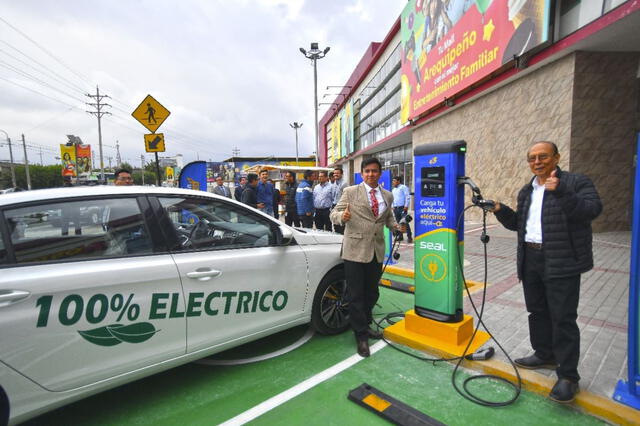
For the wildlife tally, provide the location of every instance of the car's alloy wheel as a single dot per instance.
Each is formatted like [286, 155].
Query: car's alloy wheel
[330, 313]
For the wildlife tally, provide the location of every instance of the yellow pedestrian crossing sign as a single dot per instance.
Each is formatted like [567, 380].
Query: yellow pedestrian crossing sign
[150, 113]
[154, 142]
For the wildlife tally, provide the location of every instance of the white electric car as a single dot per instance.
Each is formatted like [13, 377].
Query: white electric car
[151, 279]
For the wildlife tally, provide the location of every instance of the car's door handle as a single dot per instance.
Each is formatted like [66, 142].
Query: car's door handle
[8, 297]
[204, 274]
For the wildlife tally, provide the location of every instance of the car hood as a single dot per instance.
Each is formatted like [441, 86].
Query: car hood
[310, 236]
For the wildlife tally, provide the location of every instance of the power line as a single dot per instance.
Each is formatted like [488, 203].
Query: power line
[50, 119]
[55, 76]
[38, 45]
[39, 93]
[36, 79]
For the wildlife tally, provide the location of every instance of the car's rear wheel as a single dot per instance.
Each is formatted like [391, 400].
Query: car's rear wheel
[330, 312]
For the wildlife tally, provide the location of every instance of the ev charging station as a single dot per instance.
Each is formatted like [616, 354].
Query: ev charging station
[437, 321]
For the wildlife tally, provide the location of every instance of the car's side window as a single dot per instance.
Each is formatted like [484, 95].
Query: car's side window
[212, 224]
[77, 229]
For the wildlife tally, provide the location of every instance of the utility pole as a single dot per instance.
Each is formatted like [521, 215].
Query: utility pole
[93, 159]
[109, 161]
[41, 163]
[26, 163]
[98, 105]
[142, 166]
[296, 126]
[13, 171]
[235, 151]
[118, 158]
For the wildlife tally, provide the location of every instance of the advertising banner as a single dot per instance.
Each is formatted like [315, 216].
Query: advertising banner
[221, 168]
[334, 153]
[347, 130]
[68, 156]
[83, 159]
[447, 45]
[169, 174]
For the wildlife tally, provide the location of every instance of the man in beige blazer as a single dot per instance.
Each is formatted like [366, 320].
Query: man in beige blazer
[364, 210]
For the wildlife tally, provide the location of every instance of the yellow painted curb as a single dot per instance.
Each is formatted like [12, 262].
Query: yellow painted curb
[403, 272]
[589, 402]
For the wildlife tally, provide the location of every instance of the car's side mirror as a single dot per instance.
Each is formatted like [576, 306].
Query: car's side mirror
[287, 235]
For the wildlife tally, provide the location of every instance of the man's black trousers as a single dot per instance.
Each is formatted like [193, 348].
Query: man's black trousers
[362, 293]
[291, 218]
[553, 310]
[307, 221]
[322, 220]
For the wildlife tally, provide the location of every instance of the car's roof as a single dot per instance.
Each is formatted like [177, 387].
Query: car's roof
[84, 191]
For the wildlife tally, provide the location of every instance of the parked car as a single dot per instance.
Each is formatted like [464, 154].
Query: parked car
[166, 276]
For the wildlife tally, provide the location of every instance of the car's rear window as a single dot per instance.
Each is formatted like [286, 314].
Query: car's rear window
[77, 229]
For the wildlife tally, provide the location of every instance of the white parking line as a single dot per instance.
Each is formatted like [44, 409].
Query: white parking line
[285, 396]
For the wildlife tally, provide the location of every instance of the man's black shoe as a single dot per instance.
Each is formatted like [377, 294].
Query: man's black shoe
[363, 348]
[532, 362]
[409, 240]
[374, 334]
[564, 391]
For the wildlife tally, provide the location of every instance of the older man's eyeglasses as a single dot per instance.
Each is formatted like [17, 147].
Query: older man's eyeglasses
[539, 157]
[125, 178]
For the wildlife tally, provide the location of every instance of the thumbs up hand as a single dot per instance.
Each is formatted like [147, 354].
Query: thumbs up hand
[552, 182]
[346, 214]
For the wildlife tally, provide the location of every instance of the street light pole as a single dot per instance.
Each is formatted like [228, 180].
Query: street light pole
[13, 171]
[296, 126]
[314, 53]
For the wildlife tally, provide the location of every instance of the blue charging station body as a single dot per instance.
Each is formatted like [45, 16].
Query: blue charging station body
[439, 238]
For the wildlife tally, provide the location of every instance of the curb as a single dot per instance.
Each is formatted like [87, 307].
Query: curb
[589, 402]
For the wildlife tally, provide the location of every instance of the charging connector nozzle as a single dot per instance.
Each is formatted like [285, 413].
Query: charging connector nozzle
[482, 354]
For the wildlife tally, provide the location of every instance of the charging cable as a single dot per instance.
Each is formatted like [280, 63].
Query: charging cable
[465, 392]
[482, 354]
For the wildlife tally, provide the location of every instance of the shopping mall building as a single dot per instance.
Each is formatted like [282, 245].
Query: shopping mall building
[499, 75]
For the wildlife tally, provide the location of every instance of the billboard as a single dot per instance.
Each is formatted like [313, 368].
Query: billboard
[83, 159]
[448, 45]
[232, 171]
[346, 130]
[68, 157]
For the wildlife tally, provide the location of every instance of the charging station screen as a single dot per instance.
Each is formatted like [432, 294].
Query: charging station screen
[432, 182]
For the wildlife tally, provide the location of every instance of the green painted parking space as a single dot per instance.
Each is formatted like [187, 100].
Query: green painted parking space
[198, 394]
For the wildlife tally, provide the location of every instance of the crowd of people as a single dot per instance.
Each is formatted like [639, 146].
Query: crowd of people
[307, 203]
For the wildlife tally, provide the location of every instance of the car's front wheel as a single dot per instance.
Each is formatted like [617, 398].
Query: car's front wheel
[330, 311]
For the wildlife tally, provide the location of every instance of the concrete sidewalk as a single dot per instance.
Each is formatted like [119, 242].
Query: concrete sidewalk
[602, 313]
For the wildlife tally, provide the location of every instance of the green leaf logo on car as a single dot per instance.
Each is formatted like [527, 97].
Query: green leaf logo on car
[114, 334]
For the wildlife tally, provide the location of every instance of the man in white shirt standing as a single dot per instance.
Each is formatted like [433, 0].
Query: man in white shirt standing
[322, 202]
[401, 202]
[553, 221]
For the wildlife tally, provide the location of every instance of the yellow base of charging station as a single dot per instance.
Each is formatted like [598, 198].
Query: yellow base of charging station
[429, 335]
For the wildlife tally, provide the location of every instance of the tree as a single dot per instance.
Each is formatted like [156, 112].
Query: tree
[125, 165]
[41, 177]
[151, 167]
[149, 178]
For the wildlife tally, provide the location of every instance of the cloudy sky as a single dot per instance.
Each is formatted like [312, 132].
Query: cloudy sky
[230, 72]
